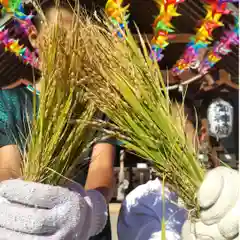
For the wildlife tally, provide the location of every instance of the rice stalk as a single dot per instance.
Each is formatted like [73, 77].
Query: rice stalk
[55, 143]
[163, 221]
[125, 84]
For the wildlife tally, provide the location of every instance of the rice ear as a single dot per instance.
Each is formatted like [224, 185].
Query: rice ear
[133, 95]
[55, 144]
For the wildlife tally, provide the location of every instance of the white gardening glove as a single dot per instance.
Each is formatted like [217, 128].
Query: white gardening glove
[35, 211]
[219, 199]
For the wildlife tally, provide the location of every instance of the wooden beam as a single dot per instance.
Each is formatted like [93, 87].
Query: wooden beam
[179, 38]
[224, 80]
[234, 10]
[6, 18]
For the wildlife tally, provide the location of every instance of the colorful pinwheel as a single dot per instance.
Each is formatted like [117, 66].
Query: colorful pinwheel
[118, 15]
[162, 26]
[203, 37]
[221, 48]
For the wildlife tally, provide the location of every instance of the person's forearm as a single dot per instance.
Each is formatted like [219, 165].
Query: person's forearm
[100, 174]
[10, 162]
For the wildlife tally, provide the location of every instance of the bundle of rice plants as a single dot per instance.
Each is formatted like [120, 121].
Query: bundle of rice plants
[127, 85]
[56, 143]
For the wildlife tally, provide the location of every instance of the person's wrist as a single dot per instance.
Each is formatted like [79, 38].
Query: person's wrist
[99, 211]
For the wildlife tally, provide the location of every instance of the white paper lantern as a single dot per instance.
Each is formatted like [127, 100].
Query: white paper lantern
[220, 119]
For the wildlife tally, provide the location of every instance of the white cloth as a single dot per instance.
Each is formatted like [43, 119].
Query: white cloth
[141, 214]
[35, 211]
[219, 199]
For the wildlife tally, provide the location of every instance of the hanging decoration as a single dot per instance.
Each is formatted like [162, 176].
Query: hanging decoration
[12, 6]
[24, 23]
[118, 15]
[12, 45]
[221, 48]
[16, 8]
[215, 9]
[162, 26]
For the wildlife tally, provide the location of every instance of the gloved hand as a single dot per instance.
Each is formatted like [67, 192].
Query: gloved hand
[219, 199]
[35, 211]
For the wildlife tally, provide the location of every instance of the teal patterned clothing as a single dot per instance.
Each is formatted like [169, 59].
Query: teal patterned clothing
[16, 111]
